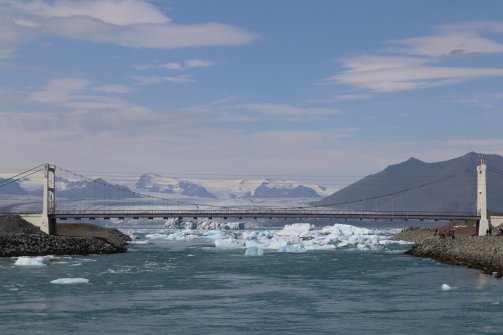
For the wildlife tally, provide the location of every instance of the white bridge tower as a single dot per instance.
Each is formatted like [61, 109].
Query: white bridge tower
[46, 222]
[482, 197]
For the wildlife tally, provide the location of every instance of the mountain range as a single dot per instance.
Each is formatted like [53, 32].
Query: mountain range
[414, 185]
[229, 188]
[178, 187]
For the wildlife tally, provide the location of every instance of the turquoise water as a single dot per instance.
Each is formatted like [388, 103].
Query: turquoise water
[189, 287]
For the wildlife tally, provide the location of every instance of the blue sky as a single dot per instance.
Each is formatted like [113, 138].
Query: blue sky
[248, 87]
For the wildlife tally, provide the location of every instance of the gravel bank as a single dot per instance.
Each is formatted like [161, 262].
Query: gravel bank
[20, 238]
[484, 253]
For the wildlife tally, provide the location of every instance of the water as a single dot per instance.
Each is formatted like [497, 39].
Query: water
[190, 287]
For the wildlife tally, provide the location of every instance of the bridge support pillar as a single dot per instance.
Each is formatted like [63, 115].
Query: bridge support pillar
[46, 222]
[482, 197]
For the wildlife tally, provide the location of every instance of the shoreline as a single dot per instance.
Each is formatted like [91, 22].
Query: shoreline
[478, 252]
[20, 238]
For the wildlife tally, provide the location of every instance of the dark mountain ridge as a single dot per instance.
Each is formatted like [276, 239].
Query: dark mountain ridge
[414, 185]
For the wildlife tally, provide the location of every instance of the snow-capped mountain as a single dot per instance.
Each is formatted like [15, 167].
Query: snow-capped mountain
[225, 189]
[229, 189]
[157, 183]
[81, 189]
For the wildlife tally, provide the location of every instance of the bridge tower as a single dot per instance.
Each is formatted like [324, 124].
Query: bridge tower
[49, 203]
[46, 222]
[482, 197]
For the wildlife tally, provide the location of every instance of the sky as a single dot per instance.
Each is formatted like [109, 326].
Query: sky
[251, 87]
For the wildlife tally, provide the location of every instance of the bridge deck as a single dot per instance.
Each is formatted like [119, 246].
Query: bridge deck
[255, 214]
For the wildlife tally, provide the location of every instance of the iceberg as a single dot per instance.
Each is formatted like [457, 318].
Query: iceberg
[70, 281]
[254, 250]
[156, 236]
[229, 243]
[204, 224]
[293, 238]
[295, 229]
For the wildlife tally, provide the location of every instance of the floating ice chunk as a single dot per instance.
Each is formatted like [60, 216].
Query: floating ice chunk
[313, 246]
[292, 248]
[176, 236]
[229, 243]
[156, 236]
[70, 281]
[214, 234]
[446, 287]
[174, 223]
[205, 224]
[295, 229]
[254, 250]
[33, 261]
[343, 244]
[139, 242]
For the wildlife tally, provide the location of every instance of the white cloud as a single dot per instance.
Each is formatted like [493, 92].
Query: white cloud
[117, 12]
[151, 80]
[199, 63]
[289, 110]
[60, 90]
[448, 45]
[172, 66]
[412, 63]
[343, 97]
[389, 74]
[129, 23]
[118, 89]
[77, 117]
[191, 63]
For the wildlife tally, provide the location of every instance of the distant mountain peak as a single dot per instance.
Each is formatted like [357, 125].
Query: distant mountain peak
[414, 185]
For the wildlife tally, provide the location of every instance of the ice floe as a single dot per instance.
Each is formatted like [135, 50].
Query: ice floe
[139, 242]
[446, 287]
[33, 261]
[205, 224]
[292, 238]
[254, 250]
[301, 237]
[70, 281]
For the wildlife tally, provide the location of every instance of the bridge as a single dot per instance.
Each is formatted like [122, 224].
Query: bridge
[121, 203]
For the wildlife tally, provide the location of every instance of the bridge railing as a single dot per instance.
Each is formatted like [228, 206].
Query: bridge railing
[257, 212]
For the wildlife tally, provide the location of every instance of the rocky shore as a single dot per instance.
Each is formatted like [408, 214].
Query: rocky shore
[484, 253]
[20, 238]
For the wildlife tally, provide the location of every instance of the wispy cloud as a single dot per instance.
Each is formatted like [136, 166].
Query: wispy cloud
[129, 23]
[172, 66]
[178, 66]
[343, 97]
[412, 63]
[289, 111]
[199, 63]
[118, 89]
[60, 90]
[151, 80]
[392, 73]
[454, 40]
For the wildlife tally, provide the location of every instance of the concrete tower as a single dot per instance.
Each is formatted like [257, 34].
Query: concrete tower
[482, 197]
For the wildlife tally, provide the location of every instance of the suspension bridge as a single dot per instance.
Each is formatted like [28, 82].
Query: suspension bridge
[98, 199]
